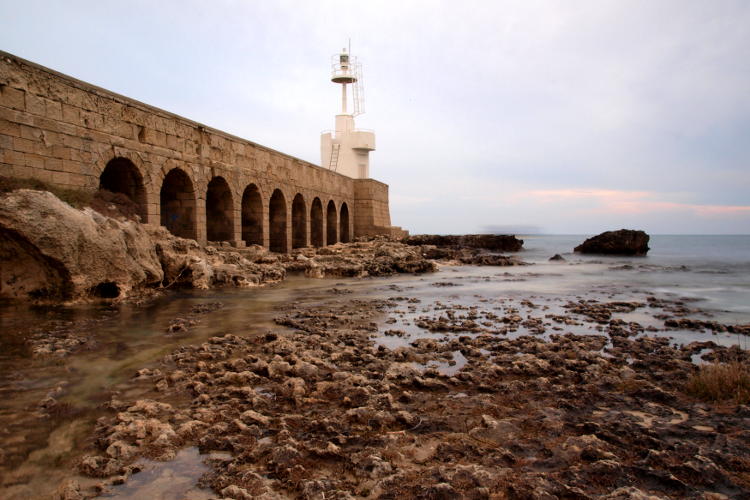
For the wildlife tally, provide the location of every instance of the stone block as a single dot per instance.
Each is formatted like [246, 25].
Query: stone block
[12, 98]
[71, 114]
[24, 145]
[174, 142]
[92, 120]
[71, 141]
[14, 157]
[82, 181]
[72, 96]
[15, 116]
[53, 164]
[10, 129]
[24, 172]
[170, 126]
[153, 136]
[31, 133]
[34, 161]
[127, 131]
[6, 142]
[61, 178]
[53, 109]
[81, 156]
[73, 167]
[35, 104]
[43, 149]
[61, 152]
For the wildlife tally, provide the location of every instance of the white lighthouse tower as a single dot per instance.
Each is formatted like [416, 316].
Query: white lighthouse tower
[346, 149]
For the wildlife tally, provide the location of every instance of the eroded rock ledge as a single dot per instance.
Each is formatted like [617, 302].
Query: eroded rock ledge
[491, 242]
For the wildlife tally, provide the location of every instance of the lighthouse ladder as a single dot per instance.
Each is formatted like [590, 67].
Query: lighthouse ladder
[333, 165]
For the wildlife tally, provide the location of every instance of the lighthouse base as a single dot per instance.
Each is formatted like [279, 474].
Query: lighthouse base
[372, 216]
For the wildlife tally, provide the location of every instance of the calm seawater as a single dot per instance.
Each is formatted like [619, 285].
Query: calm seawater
[715, 269]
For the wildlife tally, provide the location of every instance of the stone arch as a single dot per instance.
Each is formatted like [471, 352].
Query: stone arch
[219, 210]
[299, 222]
[122, 176]
[316, 223]
[252, 216]
[344, 224]
[177, 202]
[331, 223]
[277, 222]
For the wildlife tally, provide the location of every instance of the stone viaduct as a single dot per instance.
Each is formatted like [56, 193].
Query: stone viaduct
[199, 182]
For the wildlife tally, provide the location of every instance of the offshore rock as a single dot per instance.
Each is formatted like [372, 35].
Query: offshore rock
[492, 242]
[622, 242]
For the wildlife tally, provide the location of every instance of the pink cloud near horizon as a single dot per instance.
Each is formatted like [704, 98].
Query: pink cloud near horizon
[611, 201]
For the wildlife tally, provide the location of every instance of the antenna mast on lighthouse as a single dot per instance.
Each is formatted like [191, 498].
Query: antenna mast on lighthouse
[346, 150]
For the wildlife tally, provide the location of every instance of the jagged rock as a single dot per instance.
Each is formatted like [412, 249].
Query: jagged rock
[557, 257]
[69, 490]
[55, 251]
[621, 242]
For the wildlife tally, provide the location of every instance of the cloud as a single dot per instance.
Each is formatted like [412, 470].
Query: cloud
[609, 201]
[571, 116]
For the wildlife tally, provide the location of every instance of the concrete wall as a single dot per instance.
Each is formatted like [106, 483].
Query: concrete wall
[65, 132]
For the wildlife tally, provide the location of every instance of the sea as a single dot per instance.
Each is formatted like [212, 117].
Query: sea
[712, 269]
[709, 274]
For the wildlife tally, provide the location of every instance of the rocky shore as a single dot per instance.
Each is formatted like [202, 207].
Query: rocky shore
[52, 251]
[388, 395]
[465, 409]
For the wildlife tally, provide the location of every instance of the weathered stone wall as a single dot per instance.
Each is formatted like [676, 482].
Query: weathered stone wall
[372, 216]
[66, 132]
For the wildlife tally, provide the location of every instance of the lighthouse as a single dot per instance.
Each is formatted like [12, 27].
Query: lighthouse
[346, 149]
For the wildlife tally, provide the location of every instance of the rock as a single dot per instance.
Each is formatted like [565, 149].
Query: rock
[557, 257]
[253, 417]
[630, 493]
[55, 251]
[69, 490]
[97, 466]
[622, 242]
[492, 242]
[236, 493]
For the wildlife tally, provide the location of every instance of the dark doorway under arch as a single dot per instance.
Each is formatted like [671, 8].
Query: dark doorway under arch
[299, 222]
[252, 216]
[122, 176]
[316, 223]
[331, 223]
[277, 222]
[344, 224]
[219, 211]
[177, 202]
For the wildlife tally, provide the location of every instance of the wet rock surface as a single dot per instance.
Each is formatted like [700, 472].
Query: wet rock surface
[620, 242]
[373, 257]
[492, 242]
[493, 400]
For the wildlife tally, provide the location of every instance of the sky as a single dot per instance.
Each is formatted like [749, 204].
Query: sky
[566, 117]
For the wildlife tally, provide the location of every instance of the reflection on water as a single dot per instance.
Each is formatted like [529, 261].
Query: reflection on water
[173, 480]
[49, 404]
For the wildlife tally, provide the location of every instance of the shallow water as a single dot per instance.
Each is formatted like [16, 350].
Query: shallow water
[38, 451]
